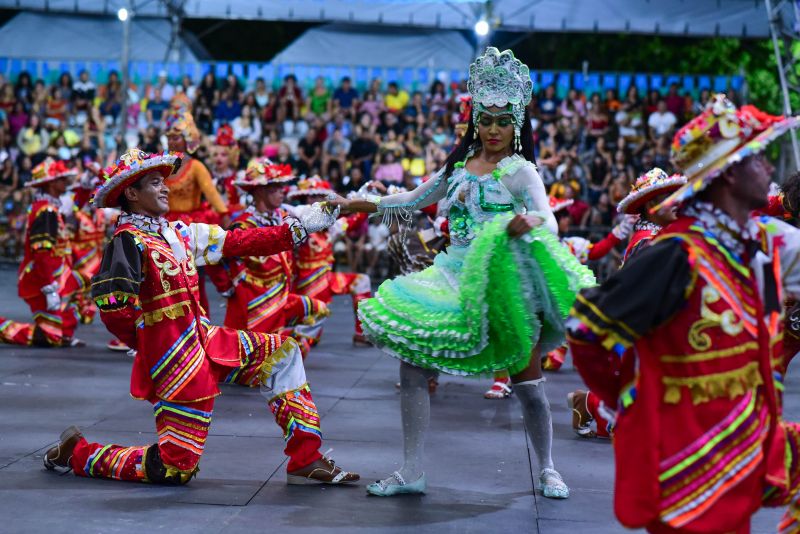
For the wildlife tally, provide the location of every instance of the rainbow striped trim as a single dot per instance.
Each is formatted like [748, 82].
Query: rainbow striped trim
[314, 276]
[295, 410]
[110, 462]
[266, 304]
[179, 364]
[182, 426]
[694, 479]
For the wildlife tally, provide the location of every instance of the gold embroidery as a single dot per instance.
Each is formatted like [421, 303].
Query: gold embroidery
[703, 388]
[165, 295]
[726, 320]
[191, 267]
[165, 268]
[710, 355]
[170, 312]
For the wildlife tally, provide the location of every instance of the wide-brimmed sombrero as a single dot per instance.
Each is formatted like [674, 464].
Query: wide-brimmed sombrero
[313, 186]
[648, 186]
[719, 137]
[261, 171]
[48, 171]
[131, 166]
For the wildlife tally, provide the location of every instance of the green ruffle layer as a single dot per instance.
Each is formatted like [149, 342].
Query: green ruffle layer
[511, 294]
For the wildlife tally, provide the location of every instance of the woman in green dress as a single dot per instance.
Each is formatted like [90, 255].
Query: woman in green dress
[498, 297]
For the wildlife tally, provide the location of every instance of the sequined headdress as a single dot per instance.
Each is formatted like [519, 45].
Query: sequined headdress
[499, 79]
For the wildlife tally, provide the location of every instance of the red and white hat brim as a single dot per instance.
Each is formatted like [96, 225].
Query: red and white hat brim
[756, 145]
[263, 180]
[632, 203]
[107, 195]
[47, 179]
[315, 191]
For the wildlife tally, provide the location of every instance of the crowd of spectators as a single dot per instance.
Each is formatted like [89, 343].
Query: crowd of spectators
[588, 147]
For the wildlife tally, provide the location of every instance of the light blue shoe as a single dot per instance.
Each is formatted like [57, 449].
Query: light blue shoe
[553, 486]
[396, 485]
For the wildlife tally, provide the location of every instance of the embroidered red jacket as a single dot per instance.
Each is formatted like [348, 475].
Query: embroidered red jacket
[147, 292]
[48, 253]
[697, 433]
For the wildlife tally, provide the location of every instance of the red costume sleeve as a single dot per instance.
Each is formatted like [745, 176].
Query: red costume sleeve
[42, 240]
[264, 241]
[115, 289]
[603, 247]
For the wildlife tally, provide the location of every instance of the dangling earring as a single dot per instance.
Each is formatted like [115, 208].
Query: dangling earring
[517, 141]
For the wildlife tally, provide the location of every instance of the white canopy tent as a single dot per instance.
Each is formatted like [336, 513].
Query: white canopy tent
[37, 36]
[360, 45]
[667, 17]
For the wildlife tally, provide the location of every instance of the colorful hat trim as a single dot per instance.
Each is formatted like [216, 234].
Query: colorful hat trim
[48, 171]
[558, 204]
[651, 184]
[719, 137]
[131, 166]
[261, 171]
[313, 186]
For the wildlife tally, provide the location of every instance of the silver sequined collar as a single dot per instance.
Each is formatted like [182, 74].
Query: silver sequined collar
[723, 226]
[144, 222]
[265, 219]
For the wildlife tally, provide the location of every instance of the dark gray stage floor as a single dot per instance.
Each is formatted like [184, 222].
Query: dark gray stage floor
[478, 457]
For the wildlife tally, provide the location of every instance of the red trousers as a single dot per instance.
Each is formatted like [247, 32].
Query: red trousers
[49, 329]
[182, 431]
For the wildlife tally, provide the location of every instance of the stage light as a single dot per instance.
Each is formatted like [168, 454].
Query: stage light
[122, 14]
[482, 28]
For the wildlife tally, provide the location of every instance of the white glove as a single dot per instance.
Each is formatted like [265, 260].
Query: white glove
[319, 217]
[438, 225]
[624, 228]
[50, 293]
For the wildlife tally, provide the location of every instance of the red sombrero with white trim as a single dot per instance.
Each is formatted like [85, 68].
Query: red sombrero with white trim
[648, 186]
[719, 137]
[309, 187]
[558, 204]
[48, 171]
[131, 166]
[261, 171]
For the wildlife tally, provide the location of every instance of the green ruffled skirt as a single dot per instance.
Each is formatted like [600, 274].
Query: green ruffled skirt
[480, 308]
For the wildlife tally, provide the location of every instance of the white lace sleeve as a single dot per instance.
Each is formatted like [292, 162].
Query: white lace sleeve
[526, 184]
[402, 205]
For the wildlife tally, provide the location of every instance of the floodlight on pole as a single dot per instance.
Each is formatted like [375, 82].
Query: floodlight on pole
[122, 14]
[482, 28]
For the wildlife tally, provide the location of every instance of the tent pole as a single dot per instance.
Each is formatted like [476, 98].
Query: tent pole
[125, 65]
[777, 27]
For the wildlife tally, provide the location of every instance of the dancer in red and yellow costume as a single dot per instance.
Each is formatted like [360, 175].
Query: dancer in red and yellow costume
[88, 228]
[225, 159]
[647, 194]
[685, 342]
[258, 287]
[147, 295]
[314, 276]
[45, 274]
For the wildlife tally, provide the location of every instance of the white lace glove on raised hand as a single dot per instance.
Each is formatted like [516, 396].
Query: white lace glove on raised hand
[314, 218]
[52, 297]
[622, 230]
